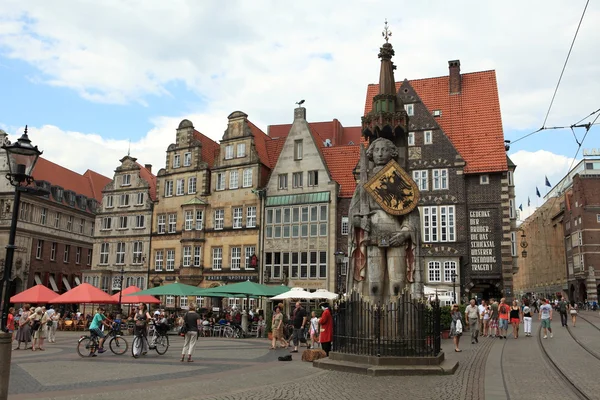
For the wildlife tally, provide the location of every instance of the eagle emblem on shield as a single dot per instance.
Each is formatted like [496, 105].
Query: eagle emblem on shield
[393, 189]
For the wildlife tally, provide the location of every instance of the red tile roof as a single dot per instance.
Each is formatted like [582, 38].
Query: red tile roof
[471, 119]
[150, 178]
[341, 160]
[260, 143]
[90, 184]
[332, 130]
[274, 147]
[210, 148]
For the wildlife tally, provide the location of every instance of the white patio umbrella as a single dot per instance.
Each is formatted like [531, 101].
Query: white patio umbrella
[325, 294]
[295, 293]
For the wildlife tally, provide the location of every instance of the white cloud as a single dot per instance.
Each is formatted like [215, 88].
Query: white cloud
[532, 170]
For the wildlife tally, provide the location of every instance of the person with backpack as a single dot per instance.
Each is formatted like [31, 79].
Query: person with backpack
[503, 316]
[563, 306]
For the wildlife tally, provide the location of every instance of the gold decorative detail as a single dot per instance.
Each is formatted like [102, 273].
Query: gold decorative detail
[387, 34]
[393, 189]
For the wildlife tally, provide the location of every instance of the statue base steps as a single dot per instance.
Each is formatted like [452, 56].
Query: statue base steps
[386, 366]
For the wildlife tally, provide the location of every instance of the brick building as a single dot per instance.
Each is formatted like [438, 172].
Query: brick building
[54, 232]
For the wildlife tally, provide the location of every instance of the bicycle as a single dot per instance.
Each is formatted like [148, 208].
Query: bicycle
[159, 340]
[87, 346]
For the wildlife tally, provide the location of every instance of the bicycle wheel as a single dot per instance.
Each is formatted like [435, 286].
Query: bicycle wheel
[136, 346]
[118, 345]
[87, 347]
[162, 344]
[228, 332]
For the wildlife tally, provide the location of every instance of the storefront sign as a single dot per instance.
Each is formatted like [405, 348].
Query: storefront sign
[308, 284]
[482, 239]
[169, 278]
[591, 152]
[231, 278]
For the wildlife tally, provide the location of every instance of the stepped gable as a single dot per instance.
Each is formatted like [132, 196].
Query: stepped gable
[340, 161]
[90, 184]
[471, 119]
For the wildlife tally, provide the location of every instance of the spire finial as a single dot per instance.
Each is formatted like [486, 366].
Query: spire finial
[129, 148]
[387, 33]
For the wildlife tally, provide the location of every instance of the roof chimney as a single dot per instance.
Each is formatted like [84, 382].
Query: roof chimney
[148, 167]
[455, 81]
[300, 113]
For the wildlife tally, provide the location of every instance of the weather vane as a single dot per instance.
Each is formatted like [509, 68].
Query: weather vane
[386, 32]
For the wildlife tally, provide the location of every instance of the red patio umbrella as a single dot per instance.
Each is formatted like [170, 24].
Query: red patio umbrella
[37, 294]
[135, 299]
[85, 293]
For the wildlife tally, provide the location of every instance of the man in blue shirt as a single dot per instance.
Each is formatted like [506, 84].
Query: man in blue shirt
[97, 322]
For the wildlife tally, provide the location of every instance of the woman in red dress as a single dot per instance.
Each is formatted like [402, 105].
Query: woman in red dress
[326, 323]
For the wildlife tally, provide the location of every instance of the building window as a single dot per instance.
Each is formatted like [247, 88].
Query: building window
[229, 152]
[104, 250]
[249, 251]
[158, 260]
[176, 161]
[123, 222]
[484, 179]
[43, 215]
[428, 137]
[233, 179]
[126, 180]
[67, 253]
[180, 187]
[189, 220]
[449, 269]
[124, 200]
[513, 244]
[344, 228]
[597, 219]
[106, 223]
[170, 300]
[170, 261]
[199, 220]
[440, 179]
[39, 250]
[219, 218]
[89, 257]
[168, 188]
[237, 217]
[511, 181]
[297, 179]
[236, 258]
[70, 223]
[138, 249]
[298, 150]
[410, 109]
[251, 217]
[53, 252]
[81, 225]
[247, 177]
[78, 255]
[283, 181]
[217, 258]
[439, 224]
[57, 220]
[187, 159]
[140, 199]
[197, 255]
[139, 221]
[420, 178]
[241, 150]
[109, 202]
[434, 273]
[192, 185]
[183, 302]
[411, 138]
[220, 183]
[187, 256]
[172, 223]
[313, 178]
[511, 208]
[161, 223]
[120, 253]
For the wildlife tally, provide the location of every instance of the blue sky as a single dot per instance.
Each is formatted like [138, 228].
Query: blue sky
[89, 77]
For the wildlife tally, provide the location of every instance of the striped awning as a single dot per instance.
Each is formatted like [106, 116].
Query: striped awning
[37, 279]
[53, 283]
[66, 283]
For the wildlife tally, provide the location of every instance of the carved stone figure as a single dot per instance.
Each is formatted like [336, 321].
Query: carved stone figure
[385, 234]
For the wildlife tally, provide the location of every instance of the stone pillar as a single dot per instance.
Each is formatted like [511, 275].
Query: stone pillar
[5, 356]
[591, 286]
[245, 321]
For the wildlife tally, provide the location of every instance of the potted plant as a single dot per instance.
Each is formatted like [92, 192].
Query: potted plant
[445, 321]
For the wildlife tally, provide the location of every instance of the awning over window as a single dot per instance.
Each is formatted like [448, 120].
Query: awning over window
[77, 281]
[53, 283]
[66, 283]
[304, 198]
[37, 279]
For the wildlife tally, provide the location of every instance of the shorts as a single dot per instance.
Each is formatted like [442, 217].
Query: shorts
[515, 320]
[493, 324]
[97, 332]
[502, 324]
[546, 323]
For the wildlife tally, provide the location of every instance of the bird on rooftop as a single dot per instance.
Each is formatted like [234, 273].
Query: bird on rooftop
[300, 102]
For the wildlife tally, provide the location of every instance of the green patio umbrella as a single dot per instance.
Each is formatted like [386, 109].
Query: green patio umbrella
[172, 289]
[246, 288]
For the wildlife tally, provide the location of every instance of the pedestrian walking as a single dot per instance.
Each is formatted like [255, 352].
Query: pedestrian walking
[456, 327]
[503, 317]
[472, 316]
[38, 320]
[527, 319]
[573, 310]
[299, 321]
[486, 320]
[515, 318]
[326, 331]
[314, 329]
[482, 307]
[545, 316]
[191, 321]
[563, 308]
[277, 329]
[24, 332]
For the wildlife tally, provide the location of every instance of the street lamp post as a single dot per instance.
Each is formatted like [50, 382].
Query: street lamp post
[121, 289]
[453, 276]
[21, 157]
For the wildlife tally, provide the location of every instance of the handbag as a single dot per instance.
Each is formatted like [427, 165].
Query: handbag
[458, 326]
[36, 325]
[183, 329]
[573, 311]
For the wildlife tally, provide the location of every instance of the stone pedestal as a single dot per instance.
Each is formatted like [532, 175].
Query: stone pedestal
[5, 357]
[244, 321]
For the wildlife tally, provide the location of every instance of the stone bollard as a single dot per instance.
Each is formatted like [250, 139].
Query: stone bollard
[245, 321]
[5, 355]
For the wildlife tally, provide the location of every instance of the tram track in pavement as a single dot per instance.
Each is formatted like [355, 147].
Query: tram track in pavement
[576, 389]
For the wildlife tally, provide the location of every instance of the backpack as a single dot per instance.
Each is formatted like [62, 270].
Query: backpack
[563, 306]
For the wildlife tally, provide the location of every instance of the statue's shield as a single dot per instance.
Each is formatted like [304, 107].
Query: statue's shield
[393, 189]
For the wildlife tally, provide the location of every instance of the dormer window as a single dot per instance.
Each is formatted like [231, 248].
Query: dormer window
[229, 152]
[410, 109]
[126, 180]
[176, 161]
[187, 159]
[241, 150]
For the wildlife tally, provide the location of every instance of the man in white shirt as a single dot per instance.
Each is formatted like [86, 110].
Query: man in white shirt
[481, 311]
[472, 317]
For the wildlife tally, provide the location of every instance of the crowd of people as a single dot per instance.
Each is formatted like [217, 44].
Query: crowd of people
[493, 319]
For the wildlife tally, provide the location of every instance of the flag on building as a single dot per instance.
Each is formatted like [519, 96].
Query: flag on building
[548, 182]
[521, 207]
[537, 191]
[528, 201]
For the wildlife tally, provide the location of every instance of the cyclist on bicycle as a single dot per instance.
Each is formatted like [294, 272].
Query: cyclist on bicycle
[97, 322]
